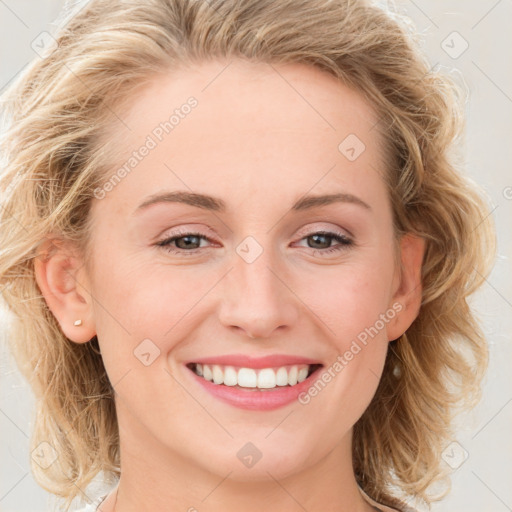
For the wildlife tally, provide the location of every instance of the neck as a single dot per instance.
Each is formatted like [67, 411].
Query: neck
[154, 477]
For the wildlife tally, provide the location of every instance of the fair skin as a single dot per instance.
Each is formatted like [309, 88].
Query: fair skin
[259, 145]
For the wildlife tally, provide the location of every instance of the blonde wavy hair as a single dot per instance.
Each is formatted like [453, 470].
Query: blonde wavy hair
[56, 116]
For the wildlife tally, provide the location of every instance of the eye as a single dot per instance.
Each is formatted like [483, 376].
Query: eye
[185, 243]
[190, 243]
[344, 242]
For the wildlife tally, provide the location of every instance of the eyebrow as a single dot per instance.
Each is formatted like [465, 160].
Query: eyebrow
[215, 204]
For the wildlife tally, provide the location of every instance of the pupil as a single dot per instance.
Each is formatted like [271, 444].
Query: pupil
[187, 243]
[321, 236]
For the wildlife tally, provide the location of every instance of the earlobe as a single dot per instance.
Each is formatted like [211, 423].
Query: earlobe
[408, 286]
[56, 270]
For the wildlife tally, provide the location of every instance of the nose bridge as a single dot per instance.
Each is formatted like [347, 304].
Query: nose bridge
[255, 298]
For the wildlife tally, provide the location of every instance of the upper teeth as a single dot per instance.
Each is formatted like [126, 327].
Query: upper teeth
[250, 378]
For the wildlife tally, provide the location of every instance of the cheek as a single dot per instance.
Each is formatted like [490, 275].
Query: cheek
[135, 303]
[355, 306]
[350, 298]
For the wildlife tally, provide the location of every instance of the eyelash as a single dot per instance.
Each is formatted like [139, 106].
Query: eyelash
[344, 242]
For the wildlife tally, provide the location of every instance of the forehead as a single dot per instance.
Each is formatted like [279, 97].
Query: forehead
[251, 125]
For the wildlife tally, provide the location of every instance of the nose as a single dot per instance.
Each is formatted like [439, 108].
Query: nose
[256, 297]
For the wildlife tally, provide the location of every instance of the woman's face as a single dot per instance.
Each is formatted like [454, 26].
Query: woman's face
[255, 277]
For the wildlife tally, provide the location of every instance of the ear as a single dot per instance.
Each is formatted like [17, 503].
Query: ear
[407, 285]
[60, 275]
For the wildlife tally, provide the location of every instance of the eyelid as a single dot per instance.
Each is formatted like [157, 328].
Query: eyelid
[308, 230]
[186, 229]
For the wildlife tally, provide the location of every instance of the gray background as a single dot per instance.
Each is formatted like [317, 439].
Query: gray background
[482, 482]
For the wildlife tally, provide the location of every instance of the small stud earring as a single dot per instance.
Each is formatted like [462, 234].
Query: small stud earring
[77, 322]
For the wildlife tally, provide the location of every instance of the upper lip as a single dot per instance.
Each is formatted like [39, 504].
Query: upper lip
[245, 361]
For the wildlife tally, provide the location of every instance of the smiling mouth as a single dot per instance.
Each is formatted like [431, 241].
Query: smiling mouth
[254, 379]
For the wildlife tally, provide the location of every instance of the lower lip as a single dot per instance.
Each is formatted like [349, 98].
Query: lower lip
[255, 399]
